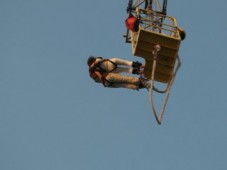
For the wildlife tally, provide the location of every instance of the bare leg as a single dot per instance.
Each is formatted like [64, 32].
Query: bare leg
[119, 61]
[118, 80]
[123, 70]
[123, 85]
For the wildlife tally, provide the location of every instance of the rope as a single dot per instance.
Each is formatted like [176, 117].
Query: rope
[159, 118]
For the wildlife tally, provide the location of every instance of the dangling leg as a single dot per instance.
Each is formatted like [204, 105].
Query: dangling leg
[135, 65]
[123, 85]
[118, 80]
[119, 61]
[141, 85]
[127, 70]
[123, 70]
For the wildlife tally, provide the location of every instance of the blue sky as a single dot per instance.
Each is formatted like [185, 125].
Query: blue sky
[54, 117]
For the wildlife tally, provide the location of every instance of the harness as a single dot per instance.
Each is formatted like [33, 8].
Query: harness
[103, 72]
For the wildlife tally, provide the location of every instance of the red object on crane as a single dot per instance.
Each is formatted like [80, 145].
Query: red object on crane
[132, 23]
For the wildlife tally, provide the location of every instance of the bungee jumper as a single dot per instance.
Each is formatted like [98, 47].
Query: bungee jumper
[109, 73]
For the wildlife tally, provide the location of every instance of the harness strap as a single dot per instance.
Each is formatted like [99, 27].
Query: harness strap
[105, 71]
[105, 82]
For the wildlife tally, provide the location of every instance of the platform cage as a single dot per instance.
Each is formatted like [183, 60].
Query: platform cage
[157, 41]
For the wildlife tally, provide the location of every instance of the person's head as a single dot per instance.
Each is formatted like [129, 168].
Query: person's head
[90, 60]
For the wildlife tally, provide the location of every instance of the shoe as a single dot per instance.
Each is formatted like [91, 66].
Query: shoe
[145, 83]
[136, 65]
[136, 71]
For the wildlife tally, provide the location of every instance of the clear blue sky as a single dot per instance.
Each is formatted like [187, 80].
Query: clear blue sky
[54, 117]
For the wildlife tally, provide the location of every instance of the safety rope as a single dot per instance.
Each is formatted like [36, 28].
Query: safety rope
[159, 118]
